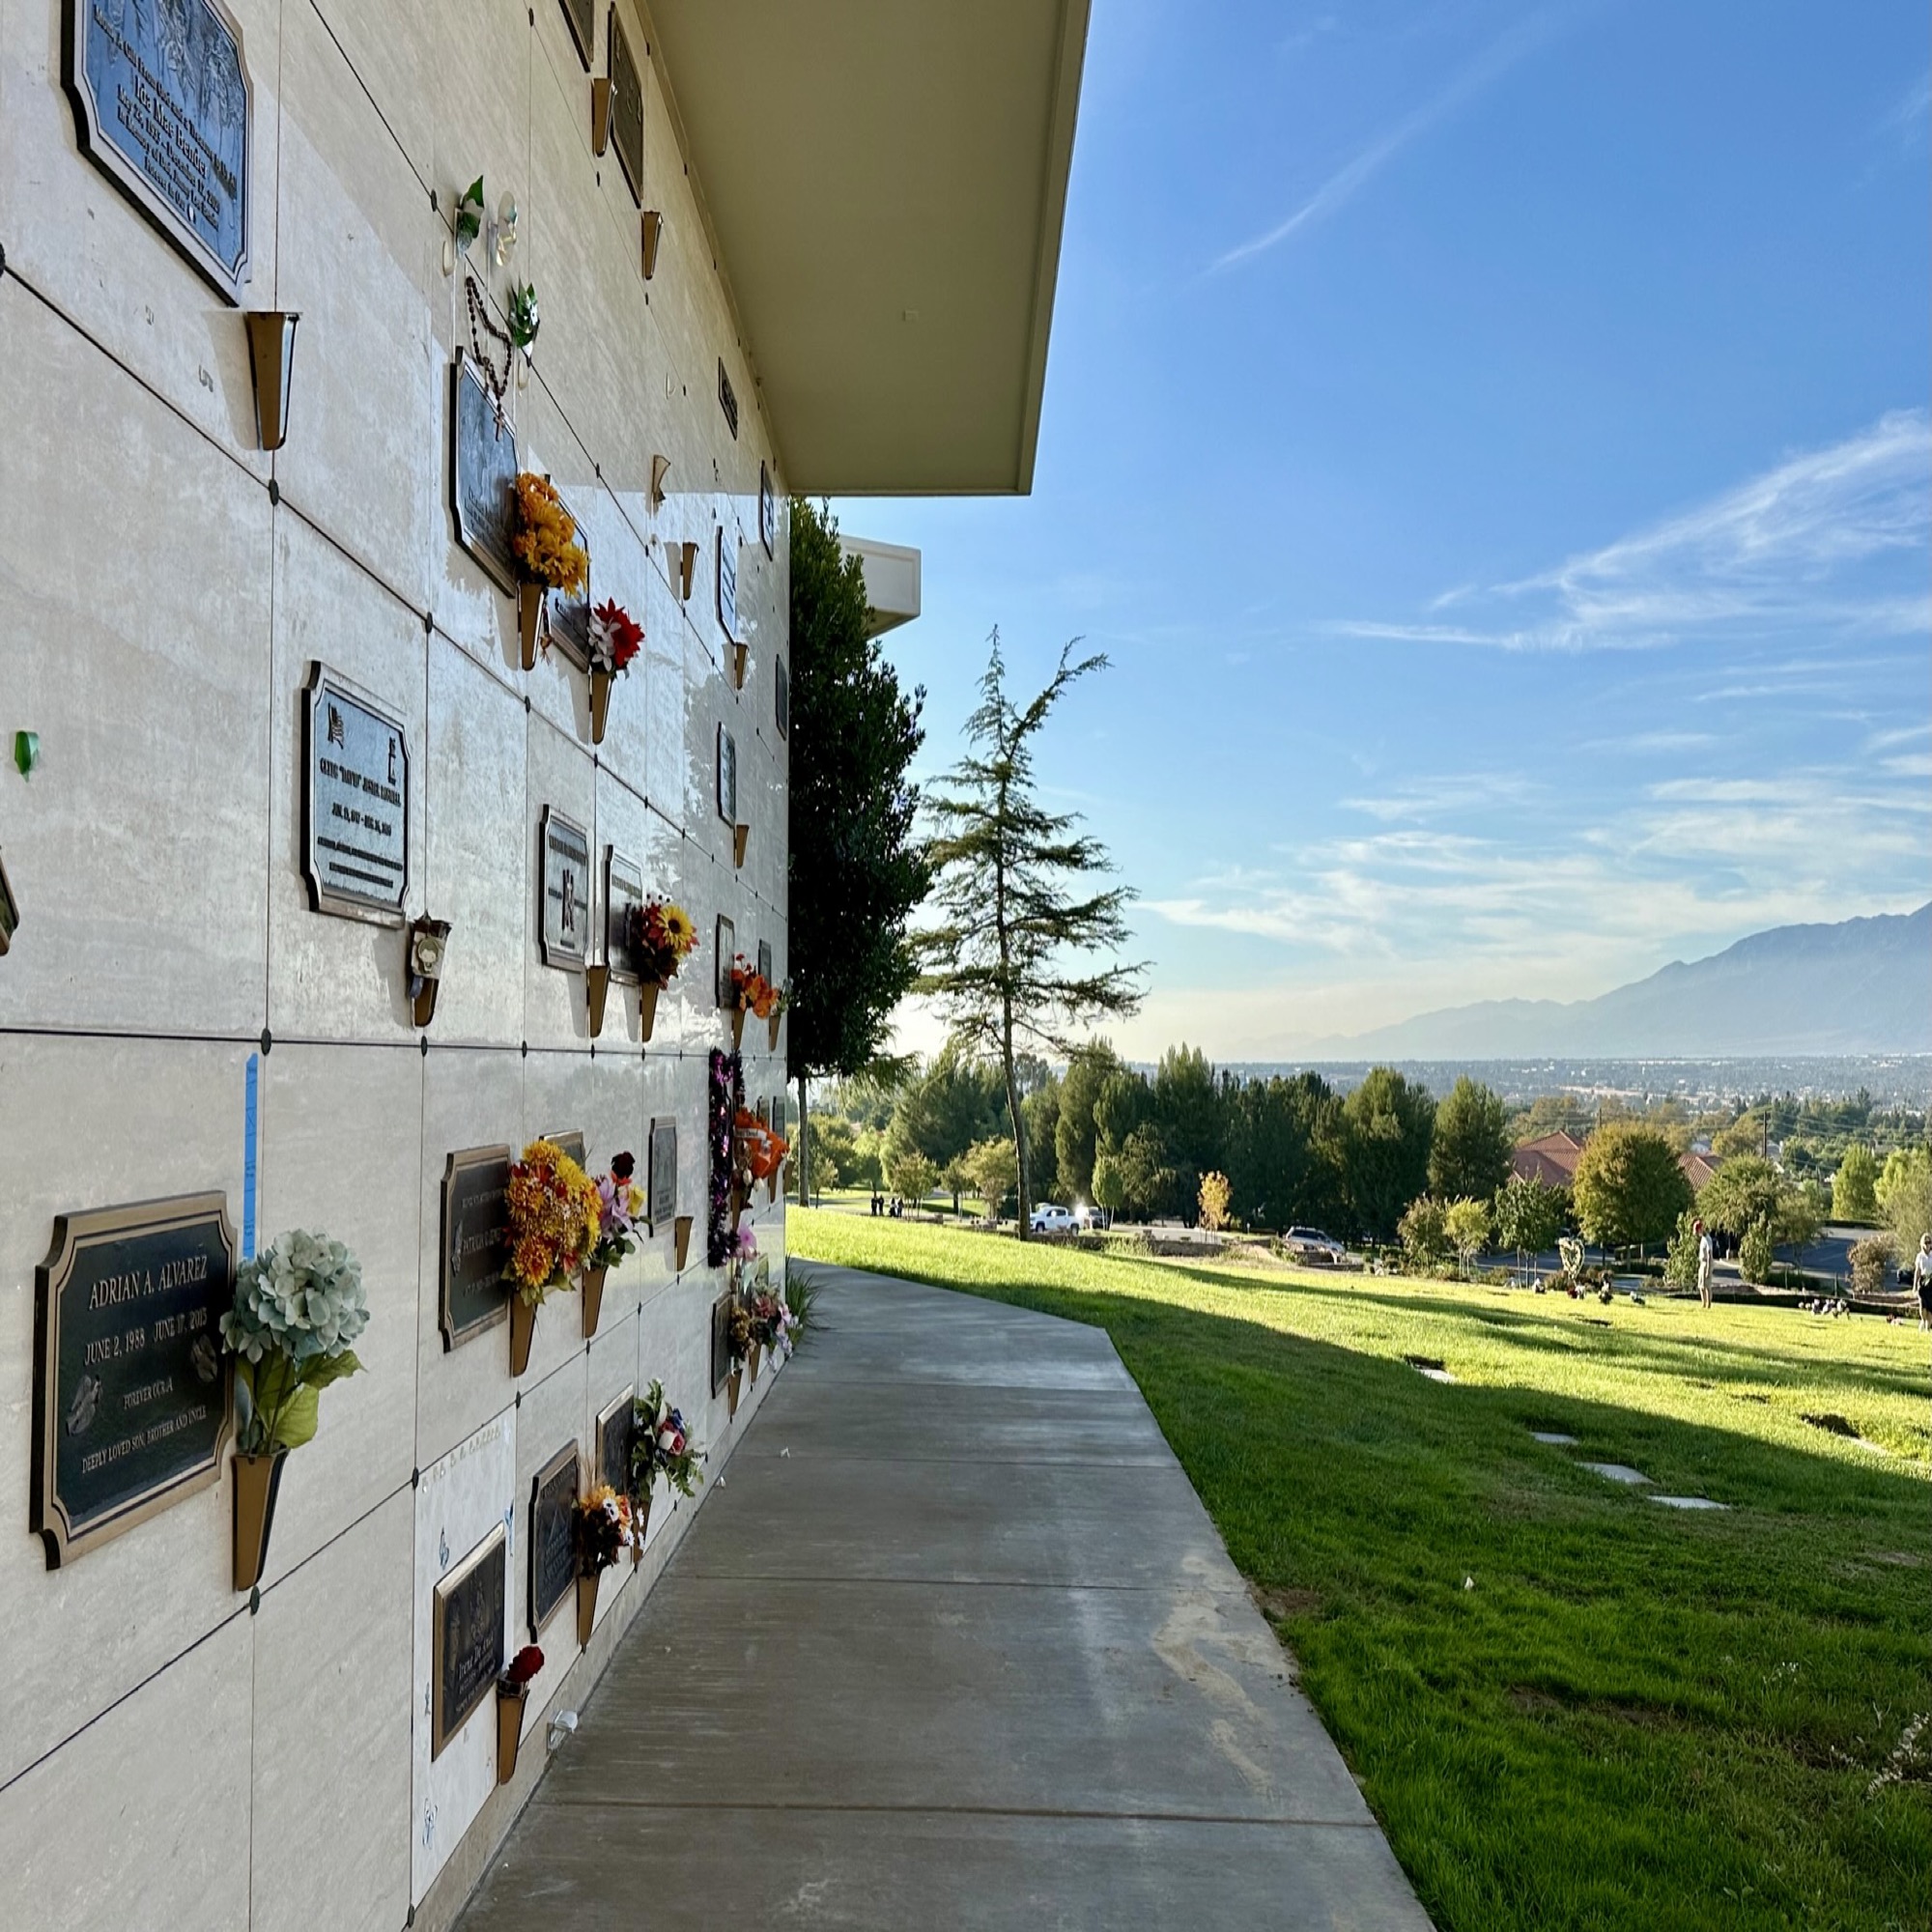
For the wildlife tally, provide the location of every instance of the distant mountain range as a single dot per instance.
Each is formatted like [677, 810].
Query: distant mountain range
[1864, 985]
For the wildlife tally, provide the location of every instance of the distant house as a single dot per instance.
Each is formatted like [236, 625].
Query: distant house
[1551, 1159]
[1697, 1168]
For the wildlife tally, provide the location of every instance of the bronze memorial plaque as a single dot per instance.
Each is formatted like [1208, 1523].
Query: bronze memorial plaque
[728, 583]
[623, 890]
[727, 777]
[10, 910]
[728, 951]
[581, 15]
[355, 802]
[467, 1626]
[563, 874]
[720, 1340]
[131, 1393]
[662, 1194]
[781, 700]
[627, 110]
[553, 1493]
[482, 476]
[161, 97]
[570, 1141]
[471, 1292]
[613, 1442]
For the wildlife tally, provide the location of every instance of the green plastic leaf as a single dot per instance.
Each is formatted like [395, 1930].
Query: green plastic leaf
[326, 1369]
[296, 1423]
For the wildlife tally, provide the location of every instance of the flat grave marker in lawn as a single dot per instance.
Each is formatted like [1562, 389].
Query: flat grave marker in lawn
[1554, 1438]
[1688, 1503]
[1617, 1472]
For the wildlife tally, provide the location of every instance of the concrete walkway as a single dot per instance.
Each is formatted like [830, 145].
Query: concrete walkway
[956, 1646]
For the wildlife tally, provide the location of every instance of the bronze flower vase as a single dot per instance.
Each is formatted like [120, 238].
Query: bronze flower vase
[733, 1383]
[509, 1728]
[771, 1029]
[741, 836]
[596, 997]
[529, 619]
[772, 1188]
[587, 1606]
[681, 1235]
[258, 1482]
[593, 1299]
[740, 655]
[600, 702]
[752, 1360]
[522, 1331]
[647, 1005]
[737, 1028]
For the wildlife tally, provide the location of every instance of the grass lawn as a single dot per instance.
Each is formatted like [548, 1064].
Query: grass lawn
[1626, 1716]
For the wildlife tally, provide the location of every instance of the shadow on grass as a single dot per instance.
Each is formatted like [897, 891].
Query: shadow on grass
[1566, 1704]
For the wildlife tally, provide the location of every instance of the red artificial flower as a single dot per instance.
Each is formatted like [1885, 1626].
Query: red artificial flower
[622, 634]
[523, 1667]
[623, 1166]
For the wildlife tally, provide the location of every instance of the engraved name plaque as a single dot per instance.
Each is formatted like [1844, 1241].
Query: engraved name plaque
[663, 1191]
[726, 951]
[131, 1394]
[767, 511]
[553, 1536]
[466, 1631]
[727, 584]
[614, 1443]
[564, 878]
[581, 15]
[627, 109]
[727, 777]
[161, 97]
[781, 700]
[623, 893]
[482, 476]
[570, 1141]
[472, 1293]
[355, 802]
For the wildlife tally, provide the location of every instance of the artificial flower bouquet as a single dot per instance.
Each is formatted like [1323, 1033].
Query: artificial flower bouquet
[603, 1529]
[751, 993]
[661, 1445]
[619, 1203]
[545, 543]
[738, 1335]
[662, 937]
[521, 1671]
[615, 637]
[556, 1217]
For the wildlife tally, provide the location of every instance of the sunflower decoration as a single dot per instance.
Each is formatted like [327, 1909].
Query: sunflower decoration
[555, 1219]
[662, 937]
[546, 546]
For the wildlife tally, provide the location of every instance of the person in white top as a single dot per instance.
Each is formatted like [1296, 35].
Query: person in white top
[1706, 1257]
[1921, 1279]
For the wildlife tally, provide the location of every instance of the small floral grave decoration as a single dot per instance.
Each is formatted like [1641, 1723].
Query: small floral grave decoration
[662, 937]
[738, 1334]
[725, 1096]
[297, 1306]
[556, 1217]
[619, 1203]
[661, 1445]
[761, 1148]
[524, 316]
[545, 544]
[752, 993]
[521, 1671]
[602, 1526]
[615, 637]
[771, 1322]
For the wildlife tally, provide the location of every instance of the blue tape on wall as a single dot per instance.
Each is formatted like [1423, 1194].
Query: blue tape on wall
[250, 1107]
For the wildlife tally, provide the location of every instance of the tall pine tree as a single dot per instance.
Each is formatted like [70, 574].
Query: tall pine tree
[1002, 967]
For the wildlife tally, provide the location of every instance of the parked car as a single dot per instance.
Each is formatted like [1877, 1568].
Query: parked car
[1049, 1219]
[1311, 1244]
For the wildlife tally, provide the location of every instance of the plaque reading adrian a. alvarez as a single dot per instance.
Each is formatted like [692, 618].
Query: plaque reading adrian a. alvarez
[131, 1394]
[472, 1293]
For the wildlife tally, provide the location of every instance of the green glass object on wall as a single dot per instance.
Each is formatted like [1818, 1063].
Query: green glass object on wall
[26, 752]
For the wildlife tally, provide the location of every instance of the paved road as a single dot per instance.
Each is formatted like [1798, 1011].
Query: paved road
[956, 1646]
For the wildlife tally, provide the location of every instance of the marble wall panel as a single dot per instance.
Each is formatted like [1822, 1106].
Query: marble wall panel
[559, 777]
[331, 1734]
[80, 240]
[460, 1499]
[389, 48]
[341, 1152]
[164, 732]
[478, 73]
[108, 1832]
[358, 244]
[470, 1098]
[331, 977]
[480, 873]
[126, 1119]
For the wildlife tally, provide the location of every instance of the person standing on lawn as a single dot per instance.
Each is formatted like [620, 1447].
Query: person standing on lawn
[1706, 1260]
[1921, 1279]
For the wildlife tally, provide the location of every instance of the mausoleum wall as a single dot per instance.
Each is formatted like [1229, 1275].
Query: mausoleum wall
[176, 1017]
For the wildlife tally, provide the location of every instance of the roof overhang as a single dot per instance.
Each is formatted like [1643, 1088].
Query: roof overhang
[885, 179]
[892, 581]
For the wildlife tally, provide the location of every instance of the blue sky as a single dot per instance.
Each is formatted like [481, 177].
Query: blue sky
[1491, 443]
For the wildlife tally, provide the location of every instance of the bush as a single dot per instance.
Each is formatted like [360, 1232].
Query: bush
[1680, 1265]
[1873, 1261]
[1754, 1254]
[1424, 1229]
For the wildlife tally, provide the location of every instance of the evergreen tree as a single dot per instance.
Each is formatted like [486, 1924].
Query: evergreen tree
[1003, 965]
[1470, 1154]
[1387, 1124]
[856, 869]
[1087, 1072]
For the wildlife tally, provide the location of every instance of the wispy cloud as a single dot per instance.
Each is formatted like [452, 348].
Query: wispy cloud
[1811, 545]
[1908, 117]
[1494, 61]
